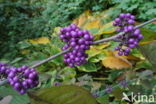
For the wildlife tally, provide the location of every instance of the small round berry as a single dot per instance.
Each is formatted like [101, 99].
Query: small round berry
[131, 22]
[120, 53]
[131, 46]
[117, 20]
[122, 15]
[136, 32]
[117, 48]
[81, 41]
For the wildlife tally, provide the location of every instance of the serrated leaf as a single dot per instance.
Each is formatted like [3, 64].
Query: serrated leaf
[62, 95]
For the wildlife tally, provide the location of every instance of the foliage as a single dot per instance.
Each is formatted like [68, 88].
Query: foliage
[30, 19]
[142, 9]
[15, 97]
[52, 96]
[19, 19]
[34, 27]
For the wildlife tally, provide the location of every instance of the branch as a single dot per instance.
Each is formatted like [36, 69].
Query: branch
[121, 33]
[2, 82]
[94, 43]
[50, 58]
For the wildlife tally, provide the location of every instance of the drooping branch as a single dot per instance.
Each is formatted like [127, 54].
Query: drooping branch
[112, 38]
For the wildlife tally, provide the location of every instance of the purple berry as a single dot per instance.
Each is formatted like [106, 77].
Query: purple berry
[131, 45]
[131, 40]
[117, 20]
[136, 32]
[81, 41]
[122, 15]
[108, 89]
[131, 22]
[120, 53]
[73, 34]
[73, 44]
[130, 28]
[77, 39]
[117, 48]
[140, 36]
[87, 37]
[23, 78]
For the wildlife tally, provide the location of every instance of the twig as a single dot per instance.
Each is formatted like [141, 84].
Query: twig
[94, 43]
[145, 23]
[50, 58]
[2, 82]
[121, 33]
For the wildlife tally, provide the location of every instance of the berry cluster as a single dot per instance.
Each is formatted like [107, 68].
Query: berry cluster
[79, 41]
[23, 78]
[124, 83]
[132, 36]
[3, 70]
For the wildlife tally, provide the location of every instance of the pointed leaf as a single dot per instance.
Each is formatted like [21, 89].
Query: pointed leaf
[62, 95]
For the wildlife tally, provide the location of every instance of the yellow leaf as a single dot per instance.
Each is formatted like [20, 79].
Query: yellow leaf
[93, 51]
[116, 62]
[107, 29]
[129, 57]
[146, 42]
[42, 40]
[25, 51]
[92, 24]
[80, 21]
[103, 45]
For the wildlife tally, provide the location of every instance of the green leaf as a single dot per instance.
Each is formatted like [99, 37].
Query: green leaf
[149, 35]
[107, 29]
[16, 98]
[54, 50]
[136, 88]
[62, 95]
[67, 73]
[103, 99]
[149, 51]
[89, 67]
[24, 45]
[118, 93]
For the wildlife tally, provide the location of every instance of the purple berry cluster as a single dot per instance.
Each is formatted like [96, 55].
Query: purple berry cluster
[77, 39]
[3, 70]
[132, 36]
[108, 89]
[124, 83]
[23, 78]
